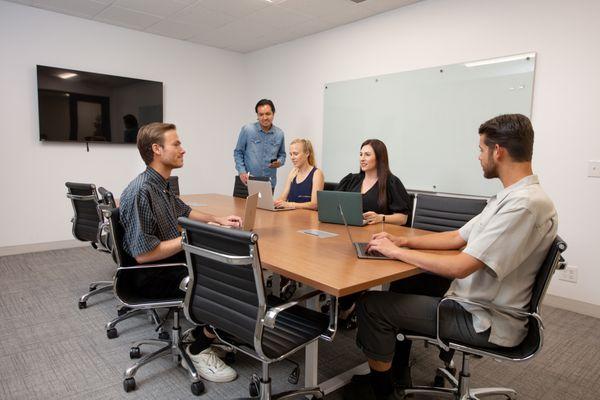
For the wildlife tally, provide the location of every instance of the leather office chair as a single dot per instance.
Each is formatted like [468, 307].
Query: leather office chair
[226, 291]
[86, 227]
[444, 213]
[330, 185]
[127, 292]
[411, 203]
[530, 346]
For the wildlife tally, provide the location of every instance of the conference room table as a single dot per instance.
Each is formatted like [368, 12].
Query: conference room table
[329, 264]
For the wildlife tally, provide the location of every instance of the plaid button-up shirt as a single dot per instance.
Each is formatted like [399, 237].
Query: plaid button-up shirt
[148, 212]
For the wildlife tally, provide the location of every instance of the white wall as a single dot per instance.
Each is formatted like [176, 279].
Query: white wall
[437, 32]
[203, 95]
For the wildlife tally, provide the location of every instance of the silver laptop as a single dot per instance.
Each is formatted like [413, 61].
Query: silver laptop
[361, 247]
[265, 195]
[250, 212]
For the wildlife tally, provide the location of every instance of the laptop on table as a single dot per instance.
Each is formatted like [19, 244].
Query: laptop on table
[264, 191]
[361, 247]
[329, 200]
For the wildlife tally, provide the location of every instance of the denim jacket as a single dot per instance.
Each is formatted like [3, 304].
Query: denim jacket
[255, 149]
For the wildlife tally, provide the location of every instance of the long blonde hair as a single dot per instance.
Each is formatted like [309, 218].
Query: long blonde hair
[308, 148]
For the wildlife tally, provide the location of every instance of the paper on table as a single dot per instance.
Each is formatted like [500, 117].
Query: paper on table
[318, 233]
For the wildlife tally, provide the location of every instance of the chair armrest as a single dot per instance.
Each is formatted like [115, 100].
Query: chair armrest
[148, 266]
[483, 304]
[273, 312]
[183, 285]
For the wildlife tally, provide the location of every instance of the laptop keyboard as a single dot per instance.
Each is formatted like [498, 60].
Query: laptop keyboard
[363, 250]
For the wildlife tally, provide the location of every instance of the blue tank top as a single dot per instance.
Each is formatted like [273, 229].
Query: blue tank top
[301, 192]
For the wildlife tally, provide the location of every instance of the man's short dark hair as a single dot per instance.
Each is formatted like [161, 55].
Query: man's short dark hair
[511, 131]
[264, 102]
[150, 134]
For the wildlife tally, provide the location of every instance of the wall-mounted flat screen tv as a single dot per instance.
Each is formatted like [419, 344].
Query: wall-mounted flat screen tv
[78, 106]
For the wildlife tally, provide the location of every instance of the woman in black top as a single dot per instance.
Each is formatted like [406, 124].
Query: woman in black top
[384, 200]
[384, 197]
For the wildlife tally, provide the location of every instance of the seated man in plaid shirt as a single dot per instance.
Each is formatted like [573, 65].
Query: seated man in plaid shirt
[148, 213]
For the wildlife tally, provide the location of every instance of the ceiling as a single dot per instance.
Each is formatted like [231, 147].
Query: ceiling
[237, 25]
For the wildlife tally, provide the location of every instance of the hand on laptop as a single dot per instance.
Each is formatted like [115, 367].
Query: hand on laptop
[383, 246]
[282, 204]
[399, 241]
[372, 217]
[231, 220]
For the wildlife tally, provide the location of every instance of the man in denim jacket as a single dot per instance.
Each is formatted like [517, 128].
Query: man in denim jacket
[260, 148]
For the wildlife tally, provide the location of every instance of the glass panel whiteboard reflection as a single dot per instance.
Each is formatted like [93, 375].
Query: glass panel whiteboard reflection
[428, 119]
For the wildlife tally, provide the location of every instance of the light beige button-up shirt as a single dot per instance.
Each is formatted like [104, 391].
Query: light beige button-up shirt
[511, 237]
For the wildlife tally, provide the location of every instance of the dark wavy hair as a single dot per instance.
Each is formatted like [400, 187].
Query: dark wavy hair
[383, 169]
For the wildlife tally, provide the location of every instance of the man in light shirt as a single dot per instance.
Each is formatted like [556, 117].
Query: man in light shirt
[502, 250]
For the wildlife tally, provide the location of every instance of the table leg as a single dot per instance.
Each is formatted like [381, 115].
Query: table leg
[311, 364]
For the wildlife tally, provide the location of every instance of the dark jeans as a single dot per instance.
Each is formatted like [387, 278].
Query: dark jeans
[382, 315]
[162, 283]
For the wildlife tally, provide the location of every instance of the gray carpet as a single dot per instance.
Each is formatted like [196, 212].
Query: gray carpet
[49, 349]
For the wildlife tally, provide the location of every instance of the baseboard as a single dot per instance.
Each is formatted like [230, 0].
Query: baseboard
[580, 307]
[37, 247]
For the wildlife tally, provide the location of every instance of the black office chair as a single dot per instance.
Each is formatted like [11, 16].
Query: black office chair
[444, 213]
[530, 346]
[86, 227]
[226, 291]
[127, 292]
[411, 203]
[330, 185]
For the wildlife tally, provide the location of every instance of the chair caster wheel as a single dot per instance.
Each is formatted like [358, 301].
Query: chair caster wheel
[254, 388]
[82, 305]
[163, 335]
[229, 358]
[129, 384]
[112, 333]
[197, 388]
[135, 352]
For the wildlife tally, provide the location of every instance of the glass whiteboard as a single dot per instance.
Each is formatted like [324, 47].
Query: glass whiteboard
[428, 119]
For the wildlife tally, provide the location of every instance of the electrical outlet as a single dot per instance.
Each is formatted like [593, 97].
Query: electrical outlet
[594, 169]
[569, 274]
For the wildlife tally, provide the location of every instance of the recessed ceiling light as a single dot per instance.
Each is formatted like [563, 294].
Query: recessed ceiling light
[500, 60]
[66, 75]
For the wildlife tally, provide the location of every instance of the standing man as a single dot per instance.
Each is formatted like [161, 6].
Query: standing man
[502, 250]
[148, 212]
[260, 148]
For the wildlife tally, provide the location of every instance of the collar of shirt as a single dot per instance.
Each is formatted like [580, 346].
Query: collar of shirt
[260, 129]
[156, 178]
[528, 180]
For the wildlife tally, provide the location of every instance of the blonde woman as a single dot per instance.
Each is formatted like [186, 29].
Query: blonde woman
[304, 180]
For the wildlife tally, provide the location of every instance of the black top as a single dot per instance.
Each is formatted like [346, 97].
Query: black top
[398, 200]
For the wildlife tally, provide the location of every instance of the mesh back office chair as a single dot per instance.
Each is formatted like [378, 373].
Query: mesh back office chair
[226, 291]
[127, 292]
[86, 227]
[444, 213]
[530, 346]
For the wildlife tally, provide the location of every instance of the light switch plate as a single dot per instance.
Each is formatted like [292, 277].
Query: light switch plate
[594, 169]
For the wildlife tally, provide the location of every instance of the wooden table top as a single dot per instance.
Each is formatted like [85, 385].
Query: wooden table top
[328, 264]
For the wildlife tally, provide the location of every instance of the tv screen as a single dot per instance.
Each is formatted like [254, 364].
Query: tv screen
[79, 106]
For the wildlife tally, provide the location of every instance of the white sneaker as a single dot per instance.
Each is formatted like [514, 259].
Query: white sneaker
[211, 367]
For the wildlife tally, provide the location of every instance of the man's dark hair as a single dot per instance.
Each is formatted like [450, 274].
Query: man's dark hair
[511, 131]
[264, 102]
[150, 134]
